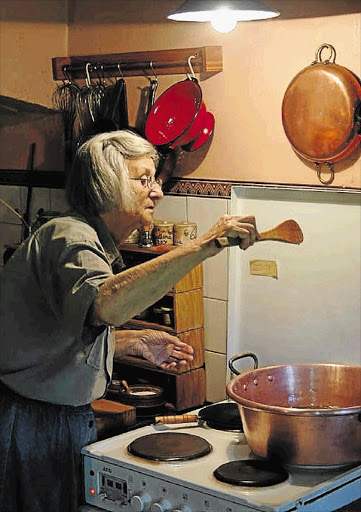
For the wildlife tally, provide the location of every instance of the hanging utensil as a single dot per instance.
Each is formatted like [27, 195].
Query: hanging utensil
[64, 101]
[321, 112]
[122, 111]
[288, 231]
[83, 103]
[97, 92]
[110, 119]
[174, 112]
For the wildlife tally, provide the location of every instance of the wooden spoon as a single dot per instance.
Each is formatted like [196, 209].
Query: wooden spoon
[288, 231]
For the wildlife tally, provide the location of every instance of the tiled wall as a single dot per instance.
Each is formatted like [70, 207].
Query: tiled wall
[11, 230]
[205, 212]
[202, 210]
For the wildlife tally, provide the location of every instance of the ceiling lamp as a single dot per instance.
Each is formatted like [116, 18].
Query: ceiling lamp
[223, 15]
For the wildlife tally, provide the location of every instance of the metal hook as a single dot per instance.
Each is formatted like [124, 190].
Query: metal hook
[101, 74]
[65, 73]
[87, 75]
[97, 71]
[152, 68]
[120, 72]
[190, 65]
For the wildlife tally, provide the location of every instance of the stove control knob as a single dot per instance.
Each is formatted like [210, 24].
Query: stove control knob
[184, 508]
[140, 502]
[162, 506]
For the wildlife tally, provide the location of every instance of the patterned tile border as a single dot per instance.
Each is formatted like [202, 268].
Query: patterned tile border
[222, 188]
[204, 188]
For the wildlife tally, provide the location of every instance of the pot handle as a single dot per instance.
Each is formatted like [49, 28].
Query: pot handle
[241, 356]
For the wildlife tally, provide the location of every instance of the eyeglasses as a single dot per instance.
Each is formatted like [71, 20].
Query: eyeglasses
[149, 182]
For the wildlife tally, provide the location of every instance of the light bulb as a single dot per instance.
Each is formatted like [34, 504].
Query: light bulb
[223, 21]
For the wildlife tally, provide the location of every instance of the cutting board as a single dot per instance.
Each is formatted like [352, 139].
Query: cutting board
[124, 415]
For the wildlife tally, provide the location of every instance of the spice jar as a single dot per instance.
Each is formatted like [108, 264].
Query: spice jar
[163, 232]
[145, 236]
[168, 316]
[184, 232]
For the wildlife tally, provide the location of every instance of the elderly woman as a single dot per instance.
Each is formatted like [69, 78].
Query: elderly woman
[61, 295]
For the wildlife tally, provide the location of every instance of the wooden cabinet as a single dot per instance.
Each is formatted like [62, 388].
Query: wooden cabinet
[179, 312]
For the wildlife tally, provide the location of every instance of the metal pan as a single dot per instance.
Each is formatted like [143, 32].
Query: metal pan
[221, 416]
[321, 112]
[300, 414]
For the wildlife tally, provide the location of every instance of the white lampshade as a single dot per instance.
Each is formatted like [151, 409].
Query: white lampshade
[223, 14]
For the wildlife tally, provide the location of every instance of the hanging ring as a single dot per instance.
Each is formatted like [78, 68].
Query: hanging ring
[190, 65]
[319, 51]
[330, 167]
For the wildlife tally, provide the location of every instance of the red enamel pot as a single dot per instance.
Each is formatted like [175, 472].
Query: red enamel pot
[172, 116]
[194, 129]
[203, 135]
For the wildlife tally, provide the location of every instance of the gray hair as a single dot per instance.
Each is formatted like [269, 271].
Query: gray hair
[99, 180]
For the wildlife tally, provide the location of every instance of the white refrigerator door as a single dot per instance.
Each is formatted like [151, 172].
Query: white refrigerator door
[310, 312]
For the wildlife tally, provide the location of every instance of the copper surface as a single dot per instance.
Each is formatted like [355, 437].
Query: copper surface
[318, 112]
[302, 414]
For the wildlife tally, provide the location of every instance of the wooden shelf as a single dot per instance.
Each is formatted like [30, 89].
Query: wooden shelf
[143, 324]
[155, 250]
[185, 388]
[207, 60]
[41, 179]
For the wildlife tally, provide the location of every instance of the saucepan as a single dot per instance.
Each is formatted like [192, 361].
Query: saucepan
[300, 414]
[179, 117]
[174, 112]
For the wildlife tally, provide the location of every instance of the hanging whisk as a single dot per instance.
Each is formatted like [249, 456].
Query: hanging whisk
[64, 101]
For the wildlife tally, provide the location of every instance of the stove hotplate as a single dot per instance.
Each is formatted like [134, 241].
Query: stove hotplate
[170, 447]
[119, 481]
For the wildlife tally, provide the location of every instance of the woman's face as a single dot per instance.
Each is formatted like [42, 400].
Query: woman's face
[145, 191]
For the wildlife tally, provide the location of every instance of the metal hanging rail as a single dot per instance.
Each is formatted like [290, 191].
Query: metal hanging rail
[207, 60]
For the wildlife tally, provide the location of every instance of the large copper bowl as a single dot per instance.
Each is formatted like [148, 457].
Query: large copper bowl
[301, 414]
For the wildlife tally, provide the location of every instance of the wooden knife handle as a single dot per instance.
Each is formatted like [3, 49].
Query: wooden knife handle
[227, 241]
[182, 418]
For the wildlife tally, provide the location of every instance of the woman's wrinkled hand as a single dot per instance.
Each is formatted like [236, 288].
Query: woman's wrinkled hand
[239, 226]
[158, 347]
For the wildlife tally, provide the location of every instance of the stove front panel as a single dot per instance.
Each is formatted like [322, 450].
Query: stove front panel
[119, 488]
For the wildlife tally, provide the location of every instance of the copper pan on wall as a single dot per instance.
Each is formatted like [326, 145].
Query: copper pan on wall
[321, 112]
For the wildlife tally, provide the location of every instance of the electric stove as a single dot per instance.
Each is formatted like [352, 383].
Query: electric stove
[195, 468]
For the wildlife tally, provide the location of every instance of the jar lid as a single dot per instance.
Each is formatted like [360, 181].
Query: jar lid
[163, 223]
[185, 223]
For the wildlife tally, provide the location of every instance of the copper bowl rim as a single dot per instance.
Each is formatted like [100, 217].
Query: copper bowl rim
[291, 411]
